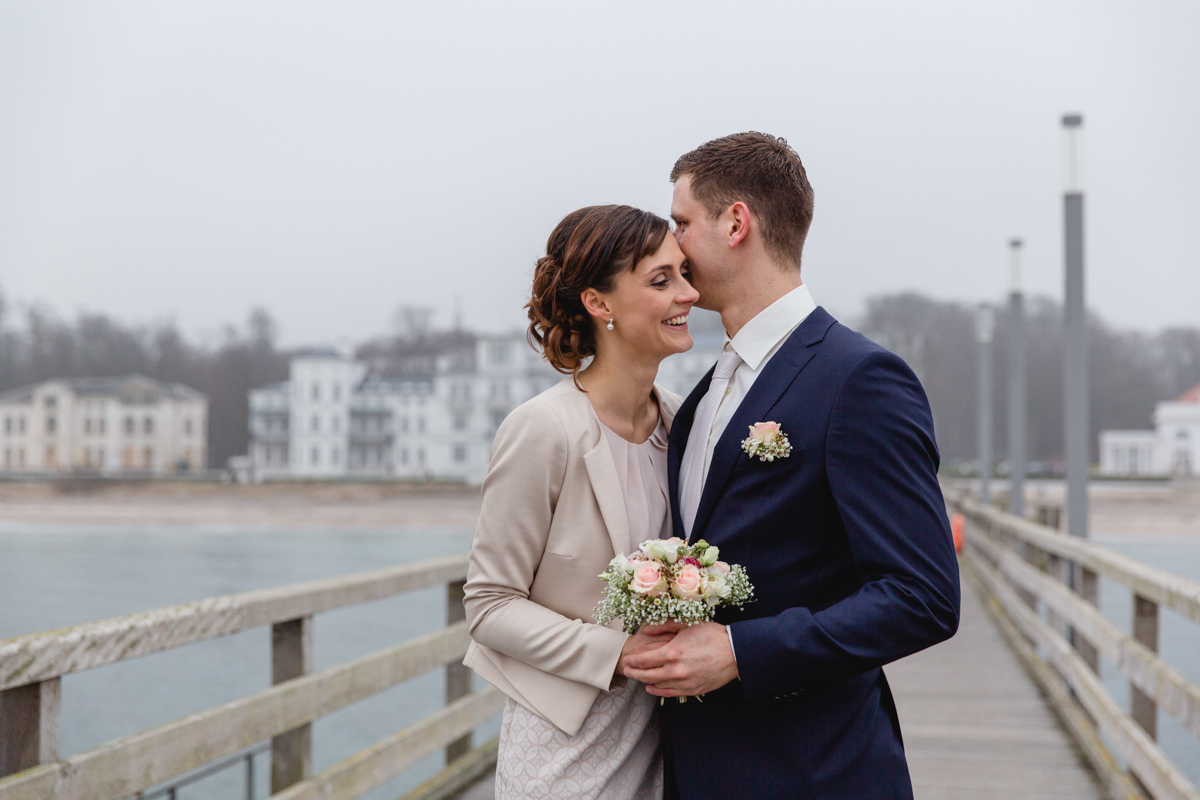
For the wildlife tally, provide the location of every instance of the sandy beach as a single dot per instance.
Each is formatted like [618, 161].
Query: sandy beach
[1120, 511]
[323, 505]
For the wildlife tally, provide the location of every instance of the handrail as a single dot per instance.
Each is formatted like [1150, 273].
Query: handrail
[1023, 567]
[29, 709]
[51, 654]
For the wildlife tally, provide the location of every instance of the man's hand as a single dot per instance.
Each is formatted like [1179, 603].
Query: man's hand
[697, 661]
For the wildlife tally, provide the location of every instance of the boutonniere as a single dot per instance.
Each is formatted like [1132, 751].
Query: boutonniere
[767, 441]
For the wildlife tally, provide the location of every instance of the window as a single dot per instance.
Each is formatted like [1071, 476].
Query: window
[100, 422]
[420, 424]
[498, 353]
[334, 455]
[100, 457]
[498, 390]
[316, 424]
[404, 424]
[460, 392]
[8, 426]
[20, 425]
[148, 458]
[129, 426]
[460, 453]
[51, 401]
[50, 456]
[7, 457]
[460, 422]
[187, 426]
[403, 455]
[336, 426]
[498, 417]
[148, 425]
[420, 455]
[316, 391]
[337, 392]
[315, 457]
[87, 425]
[20, 456]
[51, 424]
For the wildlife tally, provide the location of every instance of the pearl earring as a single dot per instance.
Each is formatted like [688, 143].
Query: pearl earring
[610, 325]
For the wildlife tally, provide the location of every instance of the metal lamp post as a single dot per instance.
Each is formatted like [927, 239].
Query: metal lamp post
[1075, 351]
[1016, 387]
[985, 328]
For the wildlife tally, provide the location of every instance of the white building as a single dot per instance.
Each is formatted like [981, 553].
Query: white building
[129, 424]
[1172, 448]
[333, 418]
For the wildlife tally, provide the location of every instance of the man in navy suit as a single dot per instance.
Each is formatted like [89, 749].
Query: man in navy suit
[846, 539]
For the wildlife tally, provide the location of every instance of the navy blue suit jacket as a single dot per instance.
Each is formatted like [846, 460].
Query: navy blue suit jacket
[847, 544]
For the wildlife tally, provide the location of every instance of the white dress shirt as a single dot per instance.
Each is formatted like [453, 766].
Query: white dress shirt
[757, 341]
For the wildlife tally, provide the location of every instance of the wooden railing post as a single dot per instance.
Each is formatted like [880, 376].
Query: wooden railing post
[458, 677]
[291, 657]
[1087, 584]
[1142, 708]
[29, 725]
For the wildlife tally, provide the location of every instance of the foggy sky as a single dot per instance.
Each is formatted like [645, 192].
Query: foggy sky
[190, 160]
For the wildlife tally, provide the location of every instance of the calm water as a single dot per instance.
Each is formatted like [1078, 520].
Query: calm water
[1178, 640]
[56, 575]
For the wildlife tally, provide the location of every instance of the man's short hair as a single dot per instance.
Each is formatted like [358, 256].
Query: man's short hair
[761, 171]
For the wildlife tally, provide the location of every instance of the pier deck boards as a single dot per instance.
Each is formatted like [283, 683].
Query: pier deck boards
[975, 726]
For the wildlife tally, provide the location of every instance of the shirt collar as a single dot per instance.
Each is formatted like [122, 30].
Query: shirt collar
[758, 337]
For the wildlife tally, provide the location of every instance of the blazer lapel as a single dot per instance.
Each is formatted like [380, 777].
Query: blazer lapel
[677, 441]
[772, 382]
[606, 485]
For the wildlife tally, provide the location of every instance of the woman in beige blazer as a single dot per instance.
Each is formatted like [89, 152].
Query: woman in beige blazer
[577, 475]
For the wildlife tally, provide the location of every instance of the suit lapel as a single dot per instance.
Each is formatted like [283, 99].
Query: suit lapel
[680, 430]
[772, 382]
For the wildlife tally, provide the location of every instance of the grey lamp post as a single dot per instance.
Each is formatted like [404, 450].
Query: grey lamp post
[1016, 387]
[1075, 352]
[985, 327]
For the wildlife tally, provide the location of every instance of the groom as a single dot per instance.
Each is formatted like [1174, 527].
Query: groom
[846, 539]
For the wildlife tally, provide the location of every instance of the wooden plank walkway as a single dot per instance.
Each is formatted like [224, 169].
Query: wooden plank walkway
[975, 725]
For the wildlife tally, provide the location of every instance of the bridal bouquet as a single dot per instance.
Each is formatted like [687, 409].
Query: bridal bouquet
[669, 580]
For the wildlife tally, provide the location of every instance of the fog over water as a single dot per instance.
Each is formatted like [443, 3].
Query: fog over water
[330, 162]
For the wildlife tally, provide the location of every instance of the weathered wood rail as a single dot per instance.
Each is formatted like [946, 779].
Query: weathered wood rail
[1043, 589]
[32, 666]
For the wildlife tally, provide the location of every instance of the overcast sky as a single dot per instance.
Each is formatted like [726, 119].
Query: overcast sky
[333, 161]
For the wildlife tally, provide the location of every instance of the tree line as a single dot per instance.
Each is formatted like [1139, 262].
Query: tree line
[1130, 370]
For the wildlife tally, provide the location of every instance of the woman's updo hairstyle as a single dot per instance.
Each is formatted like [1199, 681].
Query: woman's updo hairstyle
[587, 250]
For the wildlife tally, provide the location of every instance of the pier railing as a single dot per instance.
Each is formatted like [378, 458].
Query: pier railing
[32, 666]
[1043, 587]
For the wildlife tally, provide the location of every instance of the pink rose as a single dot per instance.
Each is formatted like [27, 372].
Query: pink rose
[719, 568]
[688, 584]
[648, 579]
[765, 432]
[675, 541]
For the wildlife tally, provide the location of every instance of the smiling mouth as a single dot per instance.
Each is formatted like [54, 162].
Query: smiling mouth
[677, 322]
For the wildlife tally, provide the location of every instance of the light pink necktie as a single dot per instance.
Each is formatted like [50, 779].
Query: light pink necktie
[693, 484]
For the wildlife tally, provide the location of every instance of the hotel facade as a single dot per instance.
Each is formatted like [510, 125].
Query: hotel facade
[132, 424]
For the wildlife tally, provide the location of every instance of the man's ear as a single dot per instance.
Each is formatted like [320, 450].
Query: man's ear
[595, 305]
[739, 223]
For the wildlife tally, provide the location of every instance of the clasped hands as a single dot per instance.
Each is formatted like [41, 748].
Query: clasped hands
[675, 660]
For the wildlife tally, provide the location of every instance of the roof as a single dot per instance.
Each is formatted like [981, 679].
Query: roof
[106, 387]
[1192, 395]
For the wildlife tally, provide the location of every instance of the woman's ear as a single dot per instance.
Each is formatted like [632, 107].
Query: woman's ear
[596, 305]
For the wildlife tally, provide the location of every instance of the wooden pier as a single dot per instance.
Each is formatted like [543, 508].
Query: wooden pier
[1011, 707]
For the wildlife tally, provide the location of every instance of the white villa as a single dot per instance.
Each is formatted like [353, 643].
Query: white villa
[336, 417]
[129, 424]
[1172, 448]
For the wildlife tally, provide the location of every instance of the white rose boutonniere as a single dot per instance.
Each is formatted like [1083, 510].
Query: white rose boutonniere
[767, 441]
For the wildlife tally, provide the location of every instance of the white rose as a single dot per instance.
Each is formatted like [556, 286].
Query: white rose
[710, 556]
[661, 551]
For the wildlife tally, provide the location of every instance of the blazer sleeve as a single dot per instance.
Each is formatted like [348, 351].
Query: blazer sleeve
[524, 480]
[881, 462]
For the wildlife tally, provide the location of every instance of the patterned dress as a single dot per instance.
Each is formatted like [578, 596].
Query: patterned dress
[616, 754]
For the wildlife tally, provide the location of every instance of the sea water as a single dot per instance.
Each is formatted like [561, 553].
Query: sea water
[57, 575]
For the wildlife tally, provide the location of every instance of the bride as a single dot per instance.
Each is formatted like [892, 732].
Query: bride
[577, 475]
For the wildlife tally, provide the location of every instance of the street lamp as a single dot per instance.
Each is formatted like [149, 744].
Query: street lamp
[1016, 386]
[1075, 350]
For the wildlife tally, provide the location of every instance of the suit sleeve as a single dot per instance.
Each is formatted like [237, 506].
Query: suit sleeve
[881, 463]
[524, 479]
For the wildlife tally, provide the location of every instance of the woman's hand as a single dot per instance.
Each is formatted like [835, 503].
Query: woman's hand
[644, 640]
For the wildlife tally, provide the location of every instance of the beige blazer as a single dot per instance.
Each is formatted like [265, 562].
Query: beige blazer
[553, 516]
